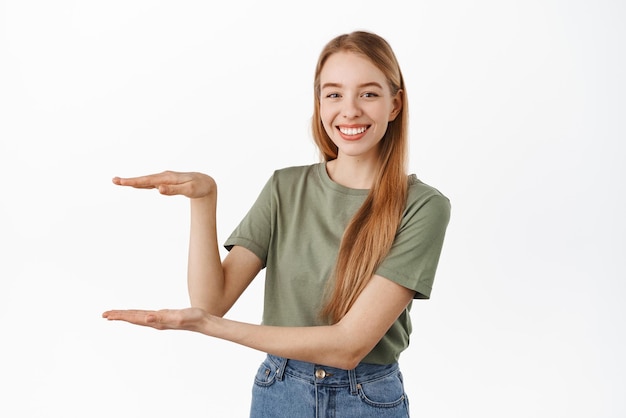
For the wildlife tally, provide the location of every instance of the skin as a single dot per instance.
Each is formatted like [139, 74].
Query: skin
[355, 94]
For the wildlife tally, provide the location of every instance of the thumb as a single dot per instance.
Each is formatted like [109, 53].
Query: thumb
[167, 189]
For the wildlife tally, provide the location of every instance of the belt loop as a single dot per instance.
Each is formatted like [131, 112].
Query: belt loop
[281, 368]
[353, 383]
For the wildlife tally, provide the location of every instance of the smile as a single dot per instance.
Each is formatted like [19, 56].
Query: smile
[353, 131]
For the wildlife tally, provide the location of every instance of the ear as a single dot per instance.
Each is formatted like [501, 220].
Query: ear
[397, 105]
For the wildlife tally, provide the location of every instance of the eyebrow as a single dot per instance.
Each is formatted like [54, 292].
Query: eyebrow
[337, 85]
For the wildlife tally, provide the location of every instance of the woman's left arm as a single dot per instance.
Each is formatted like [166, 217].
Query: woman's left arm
[342, 345]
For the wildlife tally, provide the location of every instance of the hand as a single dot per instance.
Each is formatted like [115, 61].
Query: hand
[192, 185]
[189, 319]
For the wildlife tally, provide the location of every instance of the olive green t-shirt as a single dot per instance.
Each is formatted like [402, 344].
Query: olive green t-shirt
[295, 227]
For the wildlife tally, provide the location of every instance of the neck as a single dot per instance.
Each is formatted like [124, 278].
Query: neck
[352, 172]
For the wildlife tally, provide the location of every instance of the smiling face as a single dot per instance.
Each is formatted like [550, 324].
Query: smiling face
[356, 104]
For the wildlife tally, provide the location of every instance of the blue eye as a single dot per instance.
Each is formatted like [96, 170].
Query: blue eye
[332, 95]
[369, 94]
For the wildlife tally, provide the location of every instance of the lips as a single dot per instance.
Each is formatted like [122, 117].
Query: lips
[352, 133]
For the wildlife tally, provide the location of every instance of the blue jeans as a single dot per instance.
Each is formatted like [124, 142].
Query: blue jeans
[295, 389]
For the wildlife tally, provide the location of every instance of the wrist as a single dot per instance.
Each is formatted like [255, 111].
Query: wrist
[207, 325]
[207, 201]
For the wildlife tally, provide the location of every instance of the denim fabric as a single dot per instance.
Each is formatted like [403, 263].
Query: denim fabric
[295, 389]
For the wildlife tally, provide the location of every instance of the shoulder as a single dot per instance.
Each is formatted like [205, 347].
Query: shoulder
[296, 171]
[290, 176]
[422, 192]
[426, 201]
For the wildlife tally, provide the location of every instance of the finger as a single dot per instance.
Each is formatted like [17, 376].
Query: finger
[115, 314]
[129, 315]
[153, 319]
[152, 181]
[137, 182]
[174, 189]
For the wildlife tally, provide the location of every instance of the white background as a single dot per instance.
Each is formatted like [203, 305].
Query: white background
[517, 115]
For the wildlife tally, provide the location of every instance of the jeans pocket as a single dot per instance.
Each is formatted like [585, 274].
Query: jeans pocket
[387, 392]
[266, 374]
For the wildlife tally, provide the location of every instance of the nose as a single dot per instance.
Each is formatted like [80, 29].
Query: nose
[350, 108]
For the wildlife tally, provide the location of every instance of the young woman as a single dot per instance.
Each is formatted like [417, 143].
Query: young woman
[347, 244]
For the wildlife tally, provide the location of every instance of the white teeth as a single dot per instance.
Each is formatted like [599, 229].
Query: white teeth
[353, 131]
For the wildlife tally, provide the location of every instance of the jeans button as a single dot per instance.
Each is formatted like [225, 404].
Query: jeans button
[320, 373]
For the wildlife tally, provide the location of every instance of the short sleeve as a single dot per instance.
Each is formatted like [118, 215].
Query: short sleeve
[414, 255]
[255, 230]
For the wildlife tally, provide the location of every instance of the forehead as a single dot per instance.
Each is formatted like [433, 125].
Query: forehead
[349, 68]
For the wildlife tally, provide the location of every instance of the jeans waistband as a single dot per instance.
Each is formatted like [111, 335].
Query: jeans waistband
[332, 376]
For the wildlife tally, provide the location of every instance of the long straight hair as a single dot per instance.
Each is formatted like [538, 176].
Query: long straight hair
[371, 232]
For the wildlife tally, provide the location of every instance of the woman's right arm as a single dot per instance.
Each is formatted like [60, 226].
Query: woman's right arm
[213, 285]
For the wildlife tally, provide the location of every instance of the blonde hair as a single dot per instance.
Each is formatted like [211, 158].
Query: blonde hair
[371, 232]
